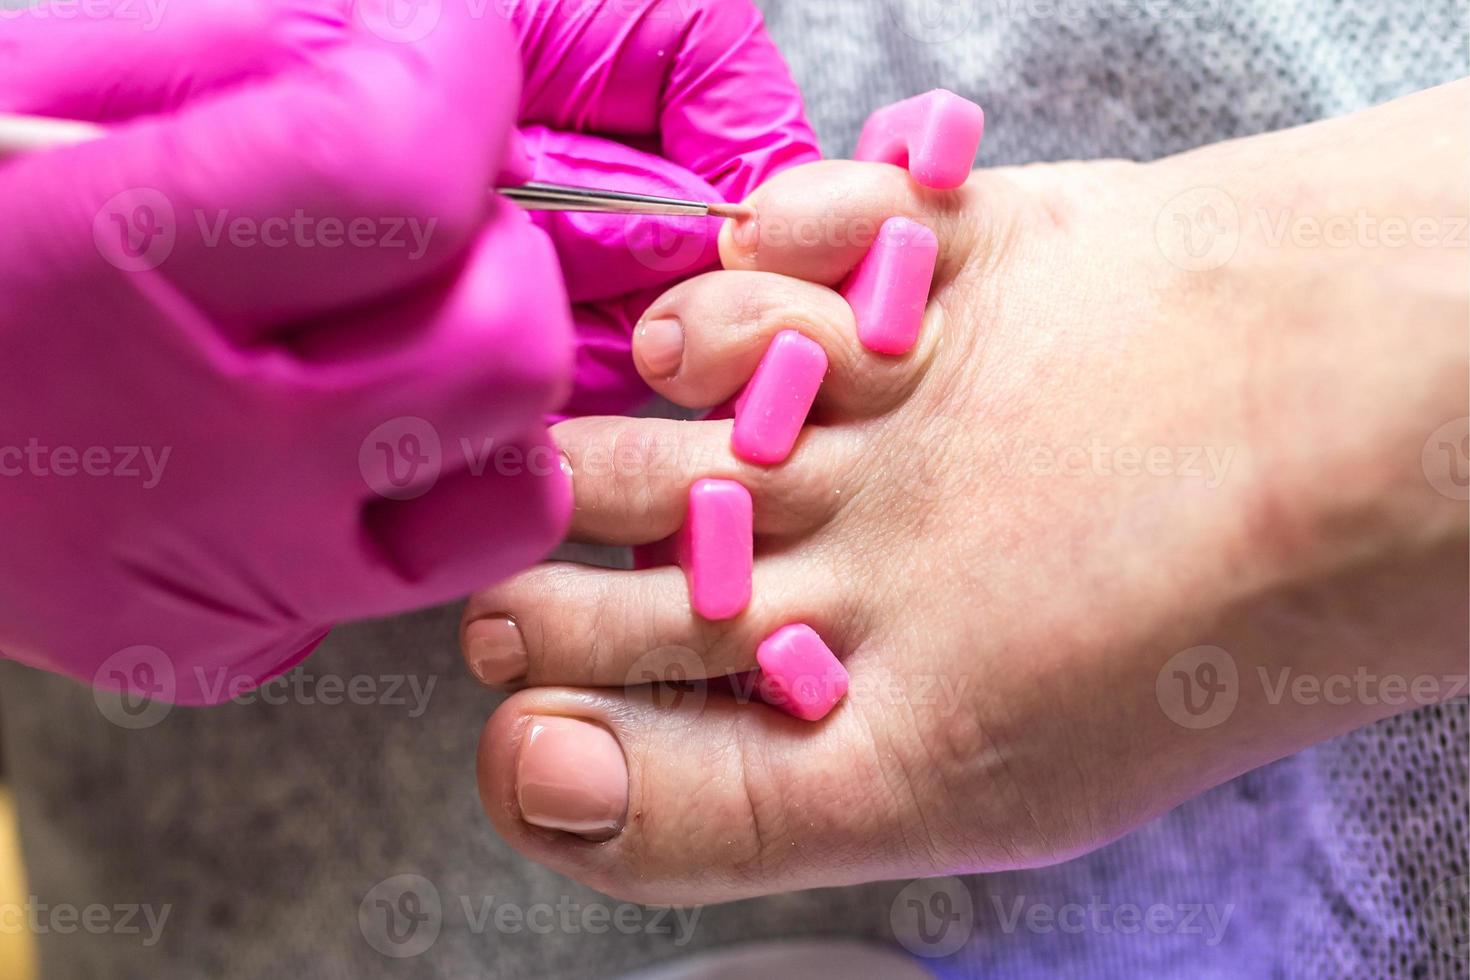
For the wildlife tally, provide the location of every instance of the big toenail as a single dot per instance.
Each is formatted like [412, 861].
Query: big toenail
[572, 777]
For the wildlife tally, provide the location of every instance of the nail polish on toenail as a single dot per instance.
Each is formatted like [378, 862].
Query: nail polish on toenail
[660, 346]
[571, 776]
[495, 650]
[747, 233]
[800, 674]
[889, 290]
[774, 406]
[716, 548]
[936, 136]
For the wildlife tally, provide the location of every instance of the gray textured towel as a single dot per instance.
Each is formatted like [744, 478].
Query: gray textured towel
[263, 828]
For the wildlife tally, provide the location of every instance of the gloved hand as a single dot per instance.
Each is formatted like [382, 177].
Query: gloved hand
[683, 98]
[270, 355]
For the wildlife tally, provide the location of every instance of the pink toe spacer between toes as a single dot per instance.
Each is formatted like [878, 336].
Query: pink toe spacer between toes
[800, 674]
[774, 406]
[717, 548]
[935, 135]
[889, 290]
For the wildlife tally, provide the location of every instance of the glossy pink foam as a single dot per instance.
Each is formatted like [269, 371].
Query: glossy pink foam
[935, 135]
[889, 290]
[800, 674]
[772, 409]
[717, 548]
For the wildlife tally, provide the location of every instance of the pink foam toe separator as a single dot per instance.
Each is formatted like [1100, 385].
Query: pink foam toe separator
[800, 674]
[770, 413]
[717, 548]
[889, 290]
[935, 135]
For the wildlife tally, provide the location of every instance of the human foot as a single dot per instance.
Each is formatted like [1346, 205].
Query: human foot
[1016, 536]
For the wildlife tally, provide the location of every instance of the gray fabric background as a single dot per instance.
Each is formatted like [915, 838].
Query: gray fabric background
[263, 827]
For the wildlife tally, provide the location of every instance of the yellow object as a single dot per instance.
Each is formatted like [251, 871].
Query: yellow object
[17, 958]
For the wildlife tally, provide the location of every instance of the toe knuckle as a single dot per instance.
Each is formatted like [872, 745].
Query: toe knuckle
[639, 463]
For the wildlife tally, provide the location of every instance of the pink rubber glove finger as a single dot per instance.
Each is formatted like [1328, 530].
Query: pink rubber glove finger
[126, 58]
[608, 256]
[293, 491]
[698, 82]
[699, 79]
[340, 142]
[473, 385]
[616, 265]
[222, 504]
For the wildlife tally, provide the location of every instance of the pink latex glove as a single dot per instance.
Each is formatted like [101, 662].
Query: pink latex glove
[684, 98]
[234, 439]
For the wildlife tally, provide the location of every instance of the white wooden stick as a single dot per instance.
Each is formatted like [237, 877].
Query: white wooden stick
[23, 134]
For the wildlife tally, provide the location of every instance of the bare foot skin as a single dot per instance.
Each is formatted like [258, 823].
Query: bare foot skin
[1119, 439]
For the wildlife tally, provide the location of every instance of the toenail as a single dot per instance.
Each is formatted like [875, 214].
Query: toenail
[747, 233]
[774, 406]
[496, 651]
[660, 346]
[572, 777]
